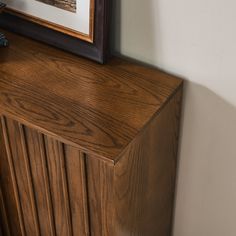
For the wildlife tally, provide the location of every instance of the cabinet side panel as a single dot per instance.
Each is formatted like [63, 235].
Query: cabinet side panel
[145, 177]
[100, 176]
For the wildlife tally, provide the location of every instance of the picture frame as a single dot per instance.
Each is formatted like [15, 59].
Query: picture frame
[92, 43]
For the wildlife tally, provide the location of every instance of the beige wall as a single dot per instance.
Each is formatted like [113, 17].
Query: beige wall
[195, 39]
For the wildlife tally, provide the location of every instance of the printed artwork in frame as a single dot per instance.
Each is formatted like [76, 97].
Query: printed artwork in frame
[78, 26]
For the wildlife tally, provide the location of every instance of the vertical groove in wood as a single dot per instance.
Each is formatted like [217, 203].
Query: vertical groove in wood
[8, 190]
[29, 178]
[78, 198]
[100, 192]
[4, 216]
[86, 211]
[57, 183]
[13, 175]
[22, 178]
[35, 152]
[1, 232]
[46, 183]
[65, 187]
[49, 184]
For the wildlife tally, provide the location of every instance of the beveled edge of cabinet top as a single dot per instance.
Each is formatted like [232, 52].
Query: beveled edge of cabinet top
[98, 108]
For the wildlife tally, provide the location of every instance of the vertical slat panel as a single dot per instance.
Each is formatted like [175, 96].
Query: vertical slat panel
[75, 164]
[19, 163]
[29, 179]
[9, 153]
[43, 200]
[7, 187]
[64, 186]
[47, 192]
[58, 186]
[100, 177]
[4, 220]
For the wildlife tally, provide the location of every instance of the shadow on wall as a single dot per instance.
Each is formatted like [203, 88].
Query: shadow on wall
[206, 188]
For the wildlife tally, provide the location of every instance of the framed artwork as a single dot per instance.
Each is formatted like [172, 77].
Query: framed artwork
[78, 26]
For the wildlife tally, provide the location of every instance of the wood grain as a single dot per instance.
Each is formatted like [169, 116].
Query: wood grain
[85, 149]
[57, 182]
[38, 164]
[9, 153]
[144, 178]
[100, 109]
[100, 194]
[4, 221]
[7, 183]
[77, 190]
[48, 181]
[19, 165]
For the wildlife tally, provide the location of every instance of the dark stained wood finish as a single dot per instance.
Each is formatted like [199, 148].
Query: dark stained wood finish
[99, 108]
[8, 186]
[135, 196]
[3, 216]
[145, 177]
[78, 201]
[100, 192]
[47, 199]
[85, 149]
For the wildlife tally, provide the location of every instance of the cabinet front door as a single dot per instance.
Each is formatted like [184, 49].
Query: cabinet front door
[43, 184]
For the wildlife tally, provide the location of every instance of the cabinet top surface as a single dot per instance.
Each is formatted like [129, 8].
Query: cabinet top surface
[99, 108]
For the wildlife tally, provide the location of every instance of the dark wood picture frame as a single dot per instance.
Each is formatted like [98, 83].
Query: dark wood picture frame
[98, 50]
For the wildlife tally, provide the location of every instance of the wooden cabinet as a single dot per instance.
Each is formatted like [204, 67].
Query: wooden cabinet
[85, 149]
